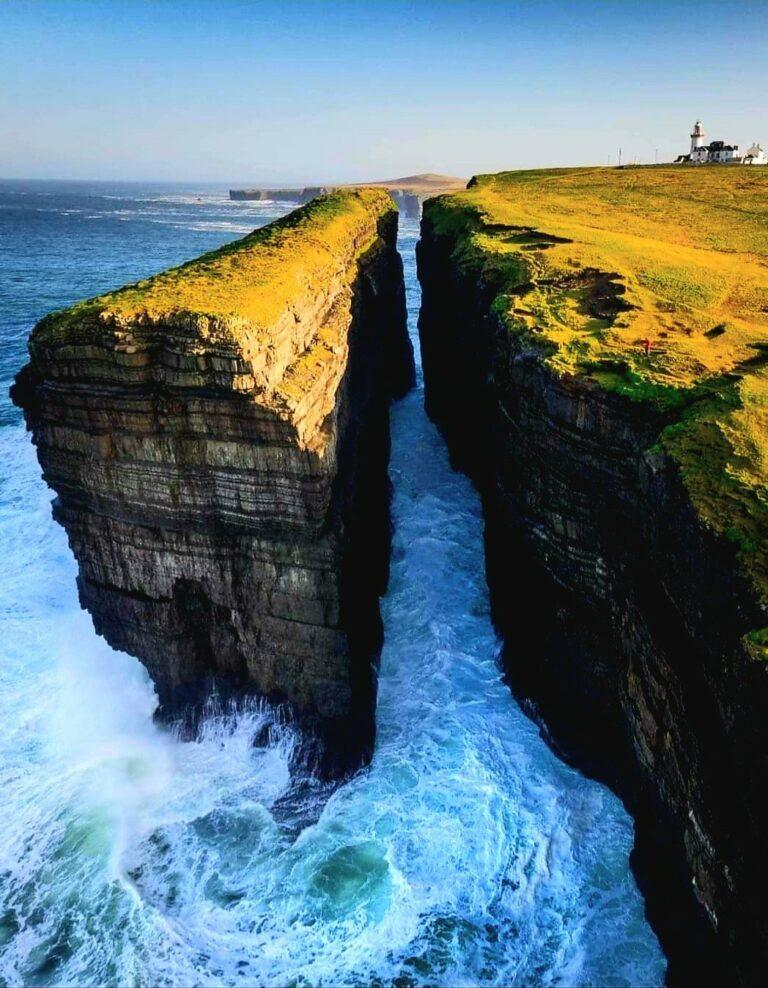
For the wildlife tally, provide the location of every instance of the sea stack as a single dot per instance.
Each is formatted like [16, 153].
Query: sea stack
[594, 348]
[217, 437]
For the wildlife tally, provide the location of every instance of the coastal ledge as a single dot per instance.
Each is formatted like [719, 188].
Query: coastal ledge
[595, 347]
[218, 437]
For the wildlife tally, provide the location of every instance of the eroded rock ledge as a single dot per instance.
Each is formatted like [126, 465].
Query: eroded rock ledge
[217, 437]
[625, 501]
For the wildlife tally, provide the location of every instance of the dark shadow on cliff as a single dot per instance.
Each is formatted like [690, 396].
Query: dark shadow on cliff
[605, 677]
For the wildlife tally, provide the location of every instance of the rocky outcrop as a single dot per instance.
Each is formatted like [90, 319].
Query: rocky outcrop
[300, 196]
[267, 195]
[217, 438]
[408, 203]
[624, 611]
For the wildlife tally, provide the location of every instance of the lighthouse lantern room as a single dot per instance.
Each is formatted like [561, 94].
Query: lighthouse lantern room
[697, 137]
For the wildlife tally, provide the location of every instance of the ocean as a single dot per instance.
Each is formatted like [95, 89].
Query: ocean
[466, 854]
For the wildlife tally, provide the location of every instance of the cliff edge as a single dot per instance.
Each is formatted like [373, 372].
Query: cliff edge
[595, 350]
[217, 437]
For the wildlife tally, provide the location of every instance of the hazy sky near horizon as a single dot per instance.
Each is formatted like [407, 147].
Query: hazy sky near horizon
[303, 90]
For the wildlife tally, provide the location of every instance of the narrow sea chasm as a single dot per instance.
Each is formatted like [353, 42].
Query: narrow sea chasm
[466, 854]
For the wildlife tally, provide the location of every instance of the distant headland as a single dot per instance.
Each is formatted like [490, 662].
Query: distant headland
[408, 192]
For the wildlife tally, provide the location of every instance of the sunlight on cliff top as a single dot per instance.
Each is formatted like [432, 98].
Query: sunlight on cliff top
[248, 284]
[651, 283]
[684, 248]
[266, 317]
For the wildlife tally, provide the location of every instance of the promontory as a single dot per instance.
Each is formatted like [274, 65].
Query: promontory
[595, 345]
[217, 437]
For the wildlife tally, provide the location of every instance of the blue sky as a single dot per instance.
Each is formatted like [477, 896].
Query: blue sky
[245, 90]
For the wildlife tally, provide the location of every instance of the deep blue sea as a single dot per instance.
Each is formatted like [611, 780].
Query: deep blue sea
[466, 854]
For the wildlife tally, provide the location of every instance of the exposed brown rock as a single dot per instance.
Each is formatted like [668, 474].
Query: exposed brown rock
[623, 614]
[218, 440]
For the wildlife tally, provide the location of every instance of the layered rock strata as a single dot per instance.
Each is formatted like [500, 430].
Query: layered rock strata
[217, 437]
[625, 505]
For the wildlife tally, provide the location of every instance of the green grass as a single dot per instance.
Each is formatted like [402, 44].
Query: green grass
[243, 286]
[588, 263]
[234, 309]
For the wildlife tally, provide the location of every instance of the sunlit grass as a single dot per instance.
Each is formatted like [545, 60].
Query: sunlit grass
[272, 310]
[249, 283]
[588, 264]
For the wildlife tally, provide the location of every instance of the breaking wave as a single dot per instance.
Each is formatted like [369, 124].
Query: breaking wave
[466, 854]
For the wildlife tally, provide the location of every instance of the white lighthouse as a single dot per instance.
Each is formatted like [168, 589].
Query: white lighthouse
[697, 137]
[719, 153]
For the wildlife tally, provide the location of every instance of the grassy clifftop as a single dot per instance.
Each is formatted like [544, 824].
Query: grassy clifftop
[593, 267]
[249, 283]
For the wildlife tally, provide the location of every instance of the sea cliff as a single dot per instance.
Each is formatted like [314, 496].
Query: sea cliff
[217, 437]
[594, 350]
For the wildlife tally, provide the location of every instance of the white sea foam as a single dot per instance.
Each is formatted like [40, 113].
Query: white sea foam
[207, 226]
[466, 853]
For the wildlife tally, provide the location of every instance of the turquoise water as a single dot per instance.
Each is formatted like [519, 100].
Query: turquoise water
[466, 854]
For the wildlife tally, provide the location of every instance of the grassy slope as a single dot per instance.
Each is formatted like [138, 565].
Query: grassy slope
[588, 263]
[248, 283]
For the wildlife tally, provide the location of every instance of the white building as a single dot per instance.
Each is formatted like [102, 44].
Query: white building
[755, 155]
[719, 153]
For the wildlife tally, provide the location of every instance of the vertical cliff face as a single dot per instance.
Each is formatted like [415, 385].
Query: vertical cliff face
[625, 525]
[217, 438]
